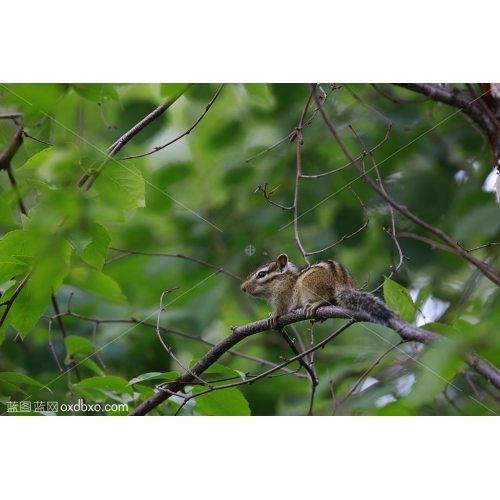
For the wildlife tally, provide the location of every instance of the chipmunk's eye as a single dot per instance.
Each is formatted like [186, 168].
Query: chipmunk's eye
[261, 274]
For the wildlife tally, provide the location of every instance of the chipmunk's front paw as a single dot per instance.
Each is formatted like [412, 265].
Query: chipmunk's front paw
[310, 311]
[273, 319]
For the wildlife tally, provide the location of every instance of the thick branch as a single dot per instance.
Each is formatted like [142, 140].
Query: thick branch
[465, 103]
[12, 148]
[404, 330]
[211, 357]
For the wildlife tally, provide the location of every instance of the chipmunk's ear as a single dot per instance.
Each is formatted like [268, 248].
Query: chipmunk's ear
[282, 260]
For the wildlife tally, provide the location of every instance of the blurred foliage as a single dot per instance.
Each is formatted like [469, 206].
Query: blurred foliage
[198, 198]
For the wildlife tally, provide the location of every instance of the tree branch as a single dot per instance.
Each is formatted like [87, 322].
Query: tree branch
[463, 102]
[178, 255]
[402, 328]
[14, 296]
[118, 145]
[495, 278]
[12, 148]
[188, 131]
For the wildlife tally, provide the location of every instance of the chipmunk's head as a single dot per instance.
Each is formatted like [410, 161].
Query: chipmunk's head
[264, 281]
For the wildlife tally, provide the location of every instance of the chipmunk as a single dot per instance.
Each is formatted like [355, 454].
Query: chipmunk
[286, 287]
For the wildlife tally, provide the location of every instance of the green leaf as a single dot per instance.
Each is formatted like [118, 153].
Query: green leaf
[441, 328]
[226, 402]
[394, 409]
[47, 275]
[91, 244]
[466, 329]
[9, 270]
[85, 360]
[121, 397]
[18, 378]
[121, 187]
[34, 99]
[438, 366]
[109, 383]
[218, 371]
[8, 387]
[6, 217]
[261, 95]
[96, 251]
[40, 186]
[55, 207]
[88, 394]
[174, 90]
[56, 163]
[29, 305]
[94, 281]
[4, 399]
[17, 243]
[93, 91]
[398, 298]
[78, 239]
[25, 222]
[154, 376]
[144, 391]
[75, 343]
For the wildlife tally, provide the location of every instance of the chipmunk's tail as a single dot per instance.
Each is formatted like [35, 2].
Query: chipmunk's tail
[355, 300]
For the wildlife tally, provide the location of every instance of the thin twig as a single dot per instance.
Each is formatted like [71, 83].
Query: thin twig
[88, 179]
[178, 255]
[196, 338]
[399, 101]
[464, 103]
[445, 392]
[300, 142]
[365, 374]
[72, 365]
[101, 111]
[94, 343]
[158, 398]
[403, 210]
[332, 391]
[293, 347]
[13, 183]
[188, 131]
[473, 387]
[293, 135]
[48, 143]
[404, 330]
[482, 246]
[6, 116]
[311, 362]
[289, 136]
[346, 237]
[268, 194]
[359, 158]
[14, 296]
[429, 241]
[363, 103]
[169, 349]
[392, 232]
[51, 345]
